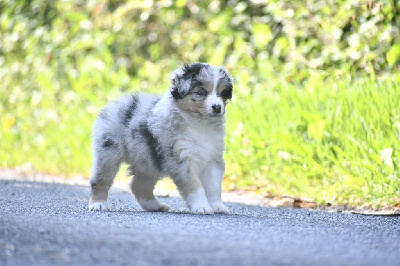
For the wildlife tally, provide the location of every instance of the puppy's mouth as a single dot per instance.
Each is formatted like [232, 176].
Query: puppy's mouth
[216, 115]
[199, 114]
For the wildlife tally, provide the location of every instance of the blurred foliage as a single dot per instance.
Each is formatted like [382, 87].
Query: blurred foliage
[60, 61]
[136, 38]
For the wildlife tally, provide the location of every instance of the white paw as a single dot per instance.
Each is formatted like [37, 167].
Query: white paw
[198, 203]
[153, 206]
[163, 208]
[99, 206]
[201, 209]
[219, 207]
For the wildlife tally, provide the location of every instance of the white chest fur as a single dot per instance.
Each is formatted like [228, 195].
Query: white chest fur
[201, 144]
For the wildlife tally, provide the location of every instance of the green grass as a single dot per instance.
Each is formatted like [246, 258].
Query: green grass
[334, 141]
[331, 142]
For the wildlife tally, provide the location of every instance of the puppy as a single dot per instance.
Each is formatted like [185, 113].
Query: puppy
[180, 135]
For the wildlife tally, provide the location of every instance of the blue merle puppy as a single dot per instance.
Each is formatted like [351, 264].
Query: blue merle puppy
[180, 135]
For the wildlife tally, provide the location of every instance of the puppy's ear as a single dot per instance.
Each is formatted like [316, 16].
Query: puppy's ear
[180, 86]
[181, 79]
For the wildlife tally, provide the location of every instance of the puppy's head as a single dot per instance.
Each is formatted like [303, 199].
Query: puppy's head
[201, 89]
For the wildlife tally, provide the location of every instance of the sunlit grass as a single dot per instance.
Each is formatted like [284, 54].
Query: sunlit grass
[329, 142]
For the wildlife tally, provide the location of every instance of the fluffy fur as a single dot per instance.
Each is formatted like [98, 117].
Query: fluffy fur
[180, 134]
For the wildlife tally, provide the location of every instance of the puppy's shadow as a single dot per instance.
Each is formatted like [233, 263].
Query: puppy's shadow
[175, 211]
[172, 212]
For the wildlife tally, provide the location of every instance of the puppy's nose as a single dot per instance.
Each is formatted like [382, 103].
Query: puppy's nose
[216, 108]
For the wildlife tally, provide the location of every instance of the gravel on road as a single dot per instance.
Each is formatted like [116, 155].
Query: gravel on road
[49, 224]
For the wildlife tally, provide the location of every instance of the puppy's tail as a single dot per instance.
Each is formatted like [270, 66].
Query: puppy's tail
[120, 112]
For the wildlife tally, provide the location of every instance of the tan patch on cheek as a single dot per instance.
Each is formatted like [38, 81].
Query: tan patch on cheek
[190, 106]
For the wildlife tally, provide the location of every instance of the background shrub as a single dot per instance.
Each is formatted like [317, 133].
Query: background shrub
[316, 95]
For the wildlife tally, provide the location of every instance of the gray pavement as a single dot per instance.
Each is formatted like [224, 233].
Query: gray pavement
[49, 224]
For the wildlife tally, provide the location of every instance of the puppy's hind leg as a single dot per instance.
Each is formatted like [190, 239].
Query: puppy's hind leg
[106, 163]
[142, 187]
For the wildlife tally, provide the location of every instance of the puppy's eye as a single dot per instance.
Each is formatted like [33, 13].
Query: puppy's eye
[201, 92]
[227, 93]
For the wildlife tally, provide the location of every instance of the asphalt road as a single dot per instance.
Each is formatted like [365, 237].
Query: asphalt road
[49, 224]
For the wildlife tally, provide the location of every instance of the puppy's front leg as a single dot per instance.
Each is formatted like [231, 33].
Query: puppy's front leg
[211, 180]
[193, 193]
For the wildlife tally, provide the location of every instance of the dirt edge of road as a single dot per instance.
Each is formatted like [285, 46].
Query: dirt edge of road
[237, 196]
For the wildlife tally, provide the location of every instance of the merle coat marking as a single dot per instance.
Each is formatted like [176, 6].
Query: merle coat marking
[179, 134]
